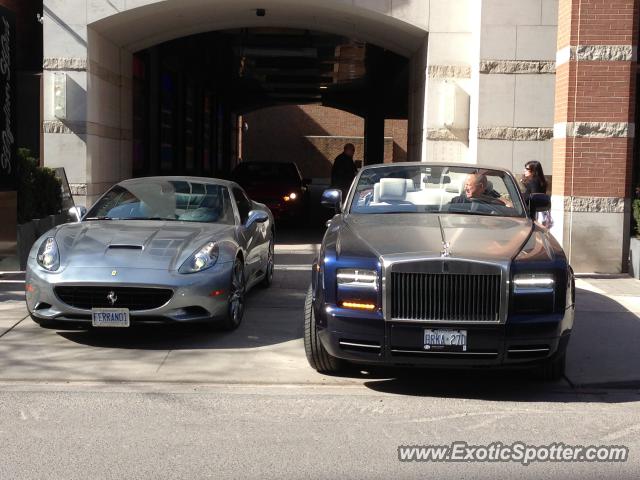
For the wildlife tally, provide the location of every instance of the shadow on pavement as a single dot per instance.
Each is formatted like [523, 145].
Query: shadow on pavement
[258, 329]
[603, 357]
[12, 296]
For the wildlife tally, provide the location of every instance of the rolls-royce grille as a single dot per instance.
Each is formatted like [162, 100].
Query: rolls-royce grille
[133, 298]
[445, 296]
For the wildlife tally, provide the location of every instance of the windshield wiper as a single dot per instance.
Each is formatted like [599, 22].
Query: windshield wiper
[101, 218]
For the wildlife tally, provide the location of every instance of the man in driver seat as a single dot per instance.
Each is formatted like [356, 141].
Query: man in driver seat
[476, 189]
[475, 186]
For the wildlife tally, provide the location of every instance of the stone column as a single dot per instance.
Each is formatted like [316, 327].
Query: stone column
[93, 141]
[64, 140]
[374, 138]
[417, 107]
[593, 131]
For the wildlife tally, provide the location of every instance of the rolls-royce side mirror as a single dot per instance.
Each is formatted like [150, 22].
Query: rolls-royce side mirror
[77, 212]
[256, 216]
[332, 198]
[539, 202]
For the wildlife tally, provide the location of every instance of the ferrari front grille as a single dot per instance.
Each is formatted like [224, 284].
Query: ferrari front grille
[133, 298]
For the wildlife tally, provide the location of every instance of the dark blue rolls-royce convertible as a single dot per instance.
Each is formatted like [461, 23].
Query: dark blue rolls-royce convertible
[438, 265]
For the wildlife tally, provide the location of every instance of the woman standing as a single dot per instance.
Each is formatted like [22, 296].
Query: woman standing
[533, 179]
[535, 182]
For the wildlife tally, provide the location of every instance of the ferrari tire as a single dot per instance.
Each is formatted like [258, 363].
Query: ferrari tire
[267, 281]
[237, 291]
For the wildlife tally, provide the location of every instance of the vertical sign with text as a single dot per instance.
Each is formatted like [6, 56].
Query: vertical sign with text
[7, 101]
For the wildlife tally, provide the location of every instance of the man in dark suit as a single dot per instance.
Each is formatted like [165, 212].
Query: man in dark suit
[344, 169]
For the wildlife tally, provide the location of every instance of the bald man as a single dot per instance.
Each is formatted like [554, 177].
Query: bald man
[475, 190]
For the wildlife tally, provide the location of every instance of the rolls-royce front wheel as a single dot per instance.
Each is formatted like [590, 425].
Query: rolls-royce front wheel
[317, 355]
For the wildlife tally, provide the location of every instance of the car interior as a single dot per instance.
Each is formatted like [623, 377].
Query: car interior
[391, 194]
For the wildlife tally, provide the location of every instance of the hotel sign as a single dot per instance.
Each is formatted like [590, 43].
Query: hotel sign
[7, 101]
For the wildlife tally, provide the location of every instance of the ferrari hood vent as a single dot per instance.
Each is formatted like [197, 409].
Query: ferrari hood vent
[120, 246]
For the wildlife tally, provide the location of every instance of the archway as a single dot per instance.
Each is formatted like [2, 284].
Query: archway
[107, 81]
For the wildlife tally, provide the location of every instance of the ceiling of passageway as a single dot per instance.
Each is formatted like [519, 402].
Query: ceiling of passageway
[262, 67]
[158, 22]
[300, 66]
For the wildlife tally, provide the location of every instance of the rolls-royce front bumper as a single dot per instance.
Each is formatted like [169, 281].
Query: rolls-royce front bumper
[522, 341]
[195, 297]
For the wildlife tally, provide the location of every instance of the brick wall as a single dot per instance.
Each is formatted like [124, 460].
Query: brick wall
[312, 136]
[595, 88]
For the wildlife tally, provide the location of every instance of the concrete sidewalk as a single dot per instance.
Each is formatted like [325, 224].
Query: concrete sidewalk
[12, 307]
[604, 349]
[268, 348]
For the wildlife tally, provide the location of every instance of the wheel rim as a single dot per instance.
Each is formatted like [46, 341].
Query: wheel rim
[270, 262]
[236, 299]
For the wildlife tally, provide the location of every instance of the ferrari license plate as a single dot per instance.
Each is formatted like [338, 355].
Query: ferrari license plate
[110, 317]
[445, 340]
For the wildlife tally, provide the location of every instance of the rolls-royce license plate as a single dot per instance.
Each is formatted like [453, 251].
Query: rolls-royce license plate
[447, 340]
[110, 317]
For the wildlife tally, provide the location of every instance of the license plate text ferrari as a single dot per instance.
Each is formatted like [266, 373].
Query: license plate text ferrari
[110, 317]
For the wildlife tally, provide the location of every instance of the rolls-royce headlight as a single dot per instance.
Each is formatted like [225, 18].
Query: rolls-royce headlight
[202, 259]
[48, 255]
[533, 283]
[350, 277]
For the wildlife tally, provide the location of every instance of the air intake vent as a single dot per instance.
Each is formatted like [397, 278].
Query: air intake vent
[133, 298]
[125, 247]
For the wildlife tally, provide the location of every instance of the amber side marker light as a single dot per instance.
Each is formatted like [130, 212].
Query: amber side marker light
[359, 306]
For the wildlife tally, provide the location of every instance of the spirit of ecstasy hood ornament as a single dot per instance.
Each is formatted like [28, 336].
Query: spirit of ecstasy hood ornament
[446, 246]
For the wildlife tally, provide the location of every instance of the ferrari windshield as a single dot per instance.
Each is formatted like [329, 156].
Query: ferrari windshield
[436, 189]
[160, 199]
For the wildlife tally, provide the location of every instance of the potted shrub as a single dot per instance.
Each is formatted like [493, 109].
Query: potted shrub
[39, 202]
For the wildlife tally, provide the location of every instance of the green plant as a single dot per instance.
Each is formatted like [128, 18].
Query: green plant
[636, 215]
[39, 190]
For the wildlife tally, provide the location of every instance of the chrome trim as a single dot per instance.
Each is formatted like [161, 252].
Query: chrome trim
[535, 290]
[359, 345]
[527, 350]
[443, 353]
[446, 322]
[446, 246]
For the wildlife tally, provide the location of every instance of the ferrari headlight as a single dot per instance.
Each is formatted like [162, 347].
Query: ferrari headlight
[349, 277]
[48, 256]
[533, 283]
[202, 259]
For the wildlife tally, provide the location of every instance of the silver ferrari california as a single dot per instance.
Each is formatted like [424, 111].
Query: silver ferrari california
[157, 250]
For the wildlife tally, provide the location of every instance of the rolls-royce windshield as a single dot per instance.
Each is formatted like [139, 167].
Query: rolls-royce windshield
[432, 189]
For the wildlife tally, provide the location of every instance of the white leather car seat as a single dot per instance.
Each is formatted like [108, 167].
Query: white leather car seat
[393, 190]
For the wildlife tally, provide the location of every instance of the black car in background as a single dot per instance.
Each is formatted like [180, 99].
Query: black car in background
[279, 185]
